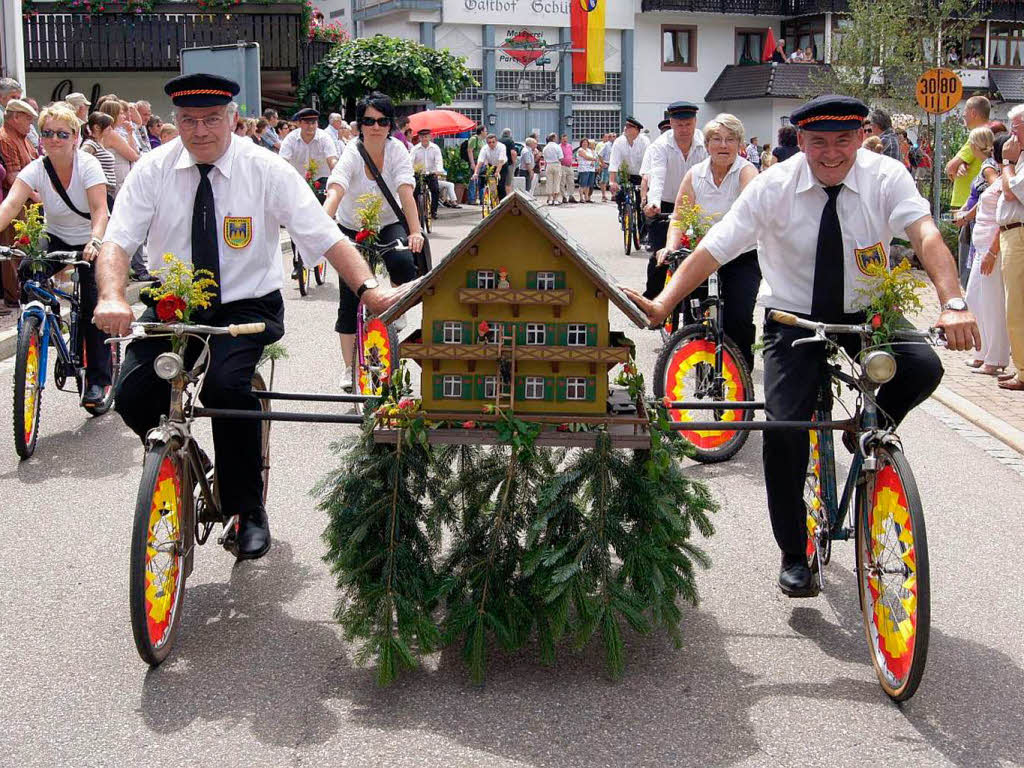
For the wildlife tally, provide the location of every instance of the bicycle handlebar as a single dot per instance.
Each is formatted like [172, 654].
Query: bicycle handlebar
[141, 330]
[71, 258]
[934, 335]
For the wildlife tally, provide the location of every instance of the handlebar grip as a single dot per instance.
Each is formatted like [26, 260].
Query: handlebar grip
[244, 329]
[784, 318]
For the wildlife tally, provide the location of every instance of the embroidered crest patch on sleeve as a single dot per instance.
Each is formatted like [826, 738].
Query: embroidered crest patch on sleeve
[238, 231]
[874, 254]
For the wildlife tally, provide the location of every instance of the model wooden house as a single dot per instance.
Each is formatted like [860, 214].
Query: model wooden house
[517, 315]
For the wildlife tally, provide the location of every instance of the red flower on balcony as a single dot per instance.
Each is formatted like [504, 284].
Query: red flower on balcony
[483, 328]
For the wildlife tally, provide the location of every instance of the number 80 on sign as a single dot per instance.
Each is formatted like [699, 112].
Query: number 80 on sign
[939, 90]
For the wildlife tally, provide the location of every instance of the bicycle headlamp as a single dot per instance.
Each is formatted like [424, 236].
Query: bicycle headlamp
[168, 365]
[879, 366]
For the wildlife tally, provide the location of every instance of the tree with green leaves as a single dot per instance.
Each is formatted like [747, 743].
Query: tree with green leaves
[883, 46]
[403, 69]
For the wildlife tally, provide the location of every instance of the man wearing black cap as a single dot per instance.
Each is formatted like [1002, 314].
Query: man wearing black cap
[628, 149]
[218, 201]
[310, 144]
[671, 155]
[819, 220]
[426, 158]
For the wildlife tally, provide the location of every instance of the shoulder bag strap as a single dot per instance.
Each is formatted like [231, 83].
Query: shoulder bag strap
[380, 183]
[55, 180]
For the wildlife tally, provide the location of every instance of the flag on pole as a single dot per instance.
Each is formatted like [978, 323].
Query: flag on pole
[586, 19]
[769, 45]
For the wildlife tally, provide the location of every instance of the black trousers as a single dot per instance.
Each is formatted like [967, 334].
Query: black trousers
[503, 181]
[401, 267]
[143, 397]
[657, 233]
[435, 193]
[792, 376]
[738, 282]
[94, 341]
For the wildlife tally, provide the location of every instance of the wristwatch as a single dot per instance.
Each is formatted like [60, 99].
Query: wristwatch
[371, 282]
[96, 243]
[955, 305]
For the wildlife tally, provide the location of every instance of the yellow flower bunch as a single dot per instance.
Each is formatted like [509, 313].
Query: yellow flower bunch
[888, 295]
[181, 290]
[369, 207]
[29, 231]
[690, 218]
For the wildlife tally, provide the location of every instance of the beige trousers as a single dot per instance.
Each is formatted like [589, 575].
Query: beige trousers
[554, 179]
[1011, 247]
[567, 185]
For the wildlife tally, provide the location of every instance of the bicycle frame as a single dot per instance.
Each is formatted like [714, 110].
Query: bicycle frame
[49, 321]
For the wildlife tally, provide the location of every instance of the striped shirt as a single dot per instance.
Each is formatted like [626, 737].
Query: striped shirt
[106, 158]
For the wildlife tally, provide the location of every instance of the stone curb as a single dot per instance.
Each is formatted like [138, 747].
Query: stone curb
[979, 417]
[9, 337]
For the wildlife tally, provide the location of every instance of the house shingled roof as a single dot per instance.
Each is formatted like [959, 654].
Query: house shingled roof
[1009, 83]
[772, 80]
[555, 232]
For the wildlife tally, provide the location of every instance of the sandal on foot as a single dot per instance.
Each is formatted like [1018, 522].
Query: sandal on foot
[1014, 385]
[989, 370]
[1006, 376]
[974, 363]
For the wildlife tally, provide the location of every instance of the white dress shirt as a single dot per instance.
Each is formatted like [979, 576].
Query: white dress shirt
[630, 154]
[350, 175]
[298, 153]
[492, 156]
[668, 165]
[1011, 211]
[552, 153]
[780, 211]
[429, 157]
[258, 188]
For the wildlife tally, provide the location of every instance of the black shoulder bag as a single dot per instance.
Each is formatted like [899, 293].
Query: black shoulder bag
[55, 180]
[423, 257]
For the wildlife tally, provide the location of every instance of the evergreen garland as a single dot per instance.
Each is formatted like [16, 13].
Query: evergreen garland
[544, 543]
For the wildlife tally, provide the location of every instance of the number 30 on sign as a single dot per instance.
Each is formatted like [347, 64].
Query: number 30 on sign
[939, 90]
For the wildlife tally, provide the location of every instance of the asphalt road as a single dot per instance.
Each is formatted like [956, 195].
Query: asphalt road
[260, 674]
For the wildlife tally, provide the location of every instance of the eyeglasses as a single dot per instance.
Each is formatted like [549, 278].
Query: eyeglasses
[211, 122]
[48, 134]
[383, 122]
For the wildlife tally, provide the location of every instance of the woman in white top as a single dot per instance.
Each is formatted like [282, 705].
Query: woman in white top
[349, 180]
[714, 184]
[985, 288]
[586, 162]
[79, 227]
[117, 141]
[552, 154]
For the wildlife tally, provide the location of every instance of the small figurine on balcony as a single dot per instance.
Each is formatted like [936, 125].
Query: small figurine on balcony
[503, 278]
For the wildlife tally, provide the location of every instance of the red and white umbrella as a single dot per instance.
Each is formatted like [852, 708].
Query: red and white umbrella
[443, 122]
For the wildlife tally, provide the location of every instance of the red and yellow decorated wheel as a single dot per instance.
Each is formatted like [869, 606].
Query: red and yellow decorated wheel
[669, 327]
[163, 557]
[679, 385]
[32, 363]
[377, 357]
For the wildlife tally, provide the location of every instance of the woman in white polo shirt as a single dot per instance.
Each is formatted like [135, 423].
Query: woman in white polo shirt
[349, 180]
[78, 227]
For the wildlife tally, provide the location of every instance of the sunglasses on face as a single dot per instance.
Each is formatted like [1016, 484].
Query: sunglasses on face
[383, 122]
[48, 134]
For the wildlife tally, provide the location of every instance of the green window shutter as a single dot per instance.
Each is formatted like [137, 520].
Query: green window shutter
[520, 387]
[591, 388]
[550, 334]
[478, 387]
[439, 331]
[562, 383]
[468, 333]
[563, 334]
[531, 280]
[467, 387]
[520, 333]
[549, 388]
[591, 334]
[559, 280]
[471, 278]
[438, 387]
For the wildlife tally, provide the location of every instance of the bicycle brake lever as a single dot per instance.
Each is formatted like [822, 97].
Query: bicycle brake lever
[809, 340]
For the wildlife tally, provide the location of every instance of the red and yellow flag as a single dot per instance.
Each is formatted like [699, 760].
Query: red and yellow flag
[586, 18]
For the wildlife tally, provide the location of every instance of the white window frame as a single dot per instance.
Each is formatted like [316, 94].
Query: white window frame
[545, 281]
[538, 332]
[452, 332]
[486, 278]
[534, 388]
[490, 387]
[451, 388]
[573, 331]
[494, 334]
[576, 388]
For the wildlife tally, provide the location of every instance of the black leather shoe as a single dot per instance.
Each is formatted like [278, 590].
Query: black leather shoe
[795, 577]
[93, 396]
[253, 535]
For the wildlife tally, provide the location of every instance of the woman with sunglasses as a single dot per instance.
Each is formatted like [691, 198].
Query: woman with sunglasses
[349, 180]
[76, 228]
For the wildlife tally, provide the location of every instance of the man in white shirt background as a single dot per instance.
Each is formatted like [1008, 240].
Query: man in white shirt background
[628, 150]
[426, 159]
[492, 155]
[818, 221]
[218, 201]
[310, 144]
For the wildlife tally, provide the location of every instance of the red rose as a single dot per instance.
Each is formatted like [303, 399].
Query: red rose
[469, 425]
[685, 241]
[168, 307]
[363, 234]
[483, 328]
[562, 428]
[318, 184]
[876, 321]
[24, 240]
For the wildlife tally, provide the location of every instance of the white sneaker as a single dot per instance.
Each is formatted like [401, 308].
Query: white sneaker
[346, 378]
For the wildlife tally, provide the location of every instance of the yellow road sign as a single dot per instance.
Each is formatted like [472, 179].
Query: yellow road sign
[939, 90]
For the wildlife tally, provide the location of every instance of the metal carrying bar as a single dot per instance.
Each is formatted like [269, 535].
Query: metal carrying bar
[313, 397]
[760, 426]
[713, 405]
[316, 418]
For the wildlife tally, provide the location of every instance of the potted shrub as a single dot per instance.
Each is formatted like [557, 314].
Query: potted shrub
[458, 171]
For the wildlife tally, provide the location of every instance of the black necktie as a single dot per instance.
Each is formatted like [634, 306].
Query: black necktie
[829, 263]
[205, 253]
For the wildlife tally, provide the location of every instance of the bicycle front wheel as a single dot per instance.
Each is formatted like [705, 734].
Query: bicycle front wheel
[627, 229]
[156, 579]
[819, 536]
[260, 385]
[378, 356]
[320, 273]
[28, 392]
[892, 573]
[685, 370]
[115, 372]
